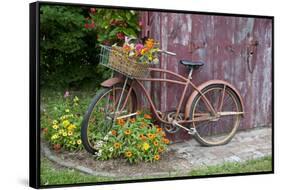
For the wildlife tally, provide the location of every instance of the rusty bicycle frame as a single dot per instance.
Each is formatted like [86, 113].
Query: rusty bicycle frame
[181, 80]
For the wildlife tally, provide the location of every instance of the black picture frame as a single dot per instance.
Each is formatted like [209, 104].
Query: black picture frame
[34, 93]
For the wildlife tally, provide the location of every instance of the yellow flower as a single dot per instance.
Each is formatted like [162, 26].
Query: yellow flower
[145, 146]
[55, 126]
[55, 122]
[70, 133]
[61, 131]
[76, 99]
[71, 127]
[65, 123]
[79, 141]
[64, 134]
[156, 157]
[67, 110]
[55, 136]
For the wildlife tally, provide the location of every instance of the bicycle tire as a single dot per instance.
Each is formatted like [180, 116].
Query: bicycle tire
[85, 123]
[199, 137]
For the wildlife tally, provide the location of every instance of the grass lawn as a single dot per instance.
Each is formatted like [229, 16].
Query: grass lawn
[54, 175]
[257, 165]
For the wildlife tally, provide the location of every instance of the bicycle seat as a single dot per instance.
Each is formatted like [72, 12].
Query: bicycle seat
[194, 64]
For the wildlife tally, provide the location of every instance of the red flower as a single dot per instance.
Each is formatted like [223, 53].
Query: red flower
[113, 22]
[106, 42]
[92, 25]
[93, 10]
[120, 35]
[86, 25]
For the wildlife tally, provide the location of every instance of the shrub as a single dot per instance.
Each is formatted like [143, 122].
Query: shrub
[68, 52]
[112, 25]
[136, 139]
[63, 132]
[68, 42]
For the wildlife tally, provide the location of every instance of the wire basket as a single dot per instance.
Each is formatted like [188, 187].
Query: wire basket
[115, 58]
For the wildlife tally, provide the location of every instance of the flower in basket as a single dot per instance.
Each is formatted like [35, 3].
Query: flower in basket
[143, 53]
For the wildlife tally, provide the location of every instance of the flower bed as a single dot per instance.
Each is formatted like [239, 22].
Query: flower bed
[63, 132]
[136, 139]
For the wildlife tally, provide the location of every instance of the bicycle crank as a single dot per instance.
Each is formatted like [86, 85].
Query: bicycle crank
[191, 131]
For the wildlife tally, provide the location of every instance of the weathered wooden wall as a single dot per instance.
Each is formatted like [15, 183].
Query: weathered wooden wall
[235, 49]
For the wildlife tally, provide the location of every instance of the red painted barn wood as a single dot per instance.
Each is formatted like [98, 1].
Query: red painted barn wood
[235, 49]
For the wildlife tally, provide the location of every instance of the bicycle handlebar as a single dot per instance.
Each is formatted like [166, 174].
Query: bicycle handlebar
[167, 52]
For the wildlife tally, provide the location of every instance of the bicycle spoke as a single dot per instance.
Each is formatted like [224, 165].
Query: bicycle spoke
[102, 116]
[218, 128]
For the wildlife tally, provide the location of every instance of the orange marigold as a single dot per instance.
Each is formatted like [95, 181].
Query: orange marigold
[117, 145]
[126, 48]
[155, 143]
[147, 116]
[159, 129]
[157, 157]
[113, 132]
[128, 154]
[166, 141]
[120, 122]
[151, 136]
[144, 50]
[128, 131]
[160, 149]
[133, 120]
[149, 43]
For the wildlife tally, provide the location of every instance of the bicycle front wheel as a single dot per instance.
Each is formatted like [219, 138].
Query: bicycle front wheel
[100, 115]
[221, 129]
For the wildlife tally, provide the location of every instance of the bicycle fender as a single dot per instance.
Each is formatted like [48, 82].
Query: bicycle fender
[204, 85]
[111, 82]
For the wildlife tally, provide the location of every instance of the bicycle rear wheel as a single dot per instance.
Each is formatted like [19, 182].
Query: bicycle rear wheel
[100, 115]
[221, 129]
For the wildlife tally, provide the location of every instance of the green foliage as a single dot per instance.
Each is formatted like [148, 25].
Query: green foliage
[63, 130]
[136, 139]
[68, 52]
[112, 25]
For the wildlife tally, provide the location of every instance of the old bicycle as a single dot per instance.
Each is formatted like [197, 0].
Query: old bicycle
[211, 114]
